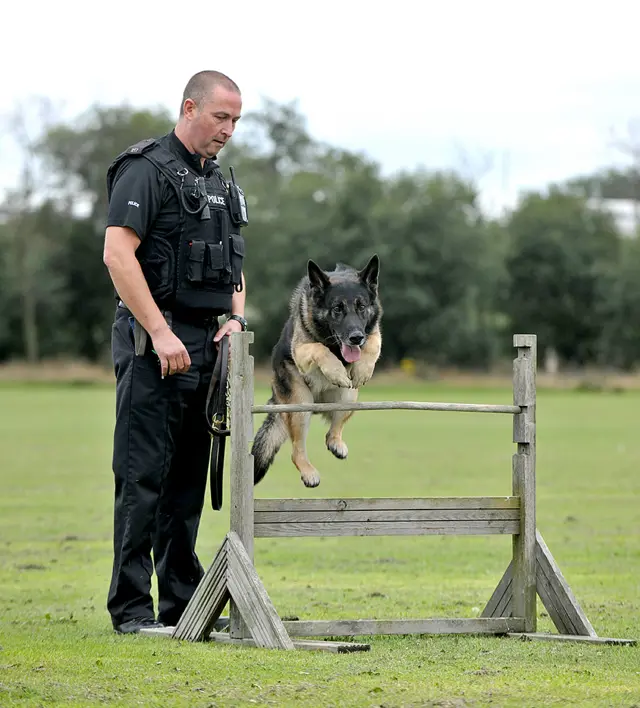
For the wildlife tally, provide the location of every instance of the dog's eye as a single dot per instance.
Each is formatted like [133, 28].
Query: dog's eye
[359, 306]
[336, 310]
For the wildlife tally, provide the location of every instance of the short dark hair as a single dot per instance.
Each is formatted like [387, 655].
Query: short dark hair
[200, 85]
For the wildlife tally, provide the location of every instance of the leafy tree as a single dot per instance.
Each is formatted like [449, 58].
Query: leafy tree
[560, 252]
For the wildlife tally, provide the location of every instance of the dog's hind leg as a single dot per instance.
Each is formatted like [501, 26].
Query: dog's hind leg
[335, 443]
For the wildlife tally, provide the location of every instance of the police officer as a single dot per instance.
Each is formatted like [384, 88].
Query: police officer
[174, 251]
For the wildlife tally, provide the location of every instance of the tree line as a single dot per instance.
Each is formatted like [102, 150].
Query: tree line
[455, 283]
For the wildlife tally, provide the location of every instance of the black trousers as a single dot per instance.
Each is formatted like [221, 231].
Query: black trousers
[160, 462]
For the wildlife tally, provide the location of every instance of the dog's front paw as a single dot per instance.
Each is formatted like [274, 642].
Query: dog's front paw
[310, 476]
[360, 375]
[337, 375]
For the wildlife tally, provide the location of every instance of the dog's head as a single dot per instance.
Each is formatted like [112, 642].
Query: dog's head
[345, 305]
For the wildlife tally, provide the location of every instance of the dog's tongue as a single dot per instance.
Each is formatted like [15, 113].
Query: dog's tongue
[350, 354]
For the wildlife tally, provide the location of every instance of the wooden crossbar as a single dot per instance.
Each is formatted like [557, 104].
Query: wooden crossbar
[384, 406]
[382, 503]
[387, 517]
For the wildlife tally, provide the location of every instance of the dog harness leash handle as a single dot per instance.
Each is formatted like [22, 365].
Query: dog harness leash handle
[216, 416]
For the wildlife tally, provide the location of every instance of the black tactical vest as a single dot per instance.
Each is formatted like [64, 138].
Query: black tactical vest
[201, 265]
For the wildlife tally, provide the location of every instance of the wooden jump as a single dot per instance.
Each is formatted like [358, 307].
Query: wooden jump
[511, 610]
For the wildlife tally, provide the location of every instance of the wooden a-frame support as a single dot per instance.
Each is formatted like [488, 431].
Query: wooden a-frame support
[511, 610]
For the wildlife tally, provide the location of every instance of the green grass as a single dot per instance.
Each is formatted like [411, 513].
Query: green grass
[56, 642]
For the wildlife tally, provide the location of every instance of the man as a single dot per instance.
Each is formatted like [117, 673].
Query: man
[174, 252]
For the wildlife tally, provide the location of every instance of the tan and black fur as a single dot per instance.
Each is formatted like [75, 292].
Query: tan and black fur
[334, 317]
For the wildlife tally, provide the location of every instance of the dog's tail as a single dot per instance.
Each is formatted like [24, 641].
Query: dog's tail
[268, 440]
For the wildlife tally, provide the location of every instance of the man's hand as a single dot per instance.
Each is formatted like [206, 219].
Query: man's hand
[172, 353]
[226, 329]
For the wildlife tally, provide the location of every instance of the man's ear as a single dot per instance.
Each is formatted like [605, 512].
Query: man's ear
[369, 274]
[317, 277]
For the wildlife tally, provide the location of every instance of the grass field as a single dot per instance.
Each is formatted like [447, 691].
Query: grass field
[56, 642]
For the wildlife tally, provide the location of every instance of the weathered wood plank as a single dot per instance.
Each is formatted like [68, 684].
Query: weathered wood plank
[346, 628]
[524, 559]
[524, 391]
[305, 644]
[383, 406]
[524, 340]
[167, 632]
[388, 503]
[209, 610]
[523, 593]
[541, 636]
[194, 626]
[379, 516]
[308, 645]
[388, 528]
[241, 467]
[565, 599]
[206, 600]
[524, 543]
[501, 598]
[210, 594]
[551, 603]
[252, 600]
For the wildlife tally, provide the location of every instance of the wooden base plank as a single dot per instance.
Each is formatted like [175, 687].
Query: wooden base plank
[541, 636]
[309, 645]
[349, 628]
[167, 632]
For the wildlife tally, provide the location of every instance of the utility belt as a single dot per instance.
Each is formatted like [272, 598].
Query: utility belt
[189, 317]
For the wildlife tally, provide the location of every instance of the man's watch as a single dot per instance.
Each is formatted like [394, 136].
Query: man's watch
[241, 320]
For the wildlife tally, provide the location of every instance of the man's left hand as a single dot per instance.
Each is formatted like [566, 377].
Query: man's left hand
[227, 328]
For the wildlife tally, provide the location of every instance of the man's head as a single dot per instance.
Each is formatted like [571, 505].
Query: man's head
[211, 107]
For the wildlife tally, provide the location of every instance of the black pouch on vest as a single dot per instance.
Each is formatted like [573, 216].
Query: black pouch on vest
[196, 261]
[215, 268]
[237, 255]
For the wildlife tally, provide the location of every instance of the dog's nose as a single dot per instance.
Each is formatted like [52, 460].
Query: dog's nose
[356, 339]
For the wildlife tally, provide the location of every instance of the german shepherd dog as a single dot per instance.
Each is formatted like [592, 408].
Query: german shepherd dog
[328, 349]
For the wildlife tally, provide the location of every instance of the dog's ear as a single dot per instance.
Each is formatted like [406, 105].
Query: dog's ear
[317, 277]
[369, 274]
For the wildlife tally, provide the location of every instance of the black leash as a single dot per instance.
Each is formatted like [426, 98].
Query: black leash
[216, 412]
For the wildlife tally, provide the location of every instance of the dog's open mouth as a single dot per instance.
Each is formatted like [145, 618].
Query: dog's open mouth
[350, 353]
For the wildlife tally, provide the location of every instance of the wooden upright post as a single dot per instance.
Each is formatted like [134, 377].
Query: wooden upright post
[241, 479]
[524, 480]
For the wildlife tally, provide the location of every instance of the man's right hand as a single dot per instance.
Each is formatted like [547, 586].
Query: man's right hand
[171, 352]
[120, 247]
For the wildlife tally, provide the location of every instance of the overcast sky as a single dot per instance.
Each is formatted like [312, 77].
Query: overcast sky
[538, 86]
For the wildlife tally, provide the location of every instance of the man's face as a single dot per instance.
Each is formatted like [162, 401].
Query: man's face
[212, 125]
